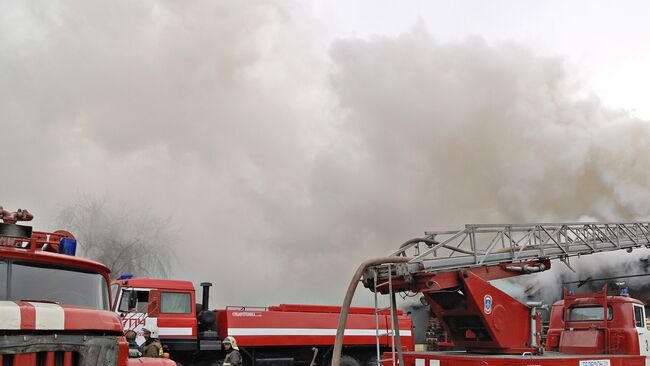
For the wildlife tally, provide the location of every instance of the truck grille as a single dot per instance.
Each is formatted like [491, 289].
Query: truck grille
[40, 359]
[58, 350]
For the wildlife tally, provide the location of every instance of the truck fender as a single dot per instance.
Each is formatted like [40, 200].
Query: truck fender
[146, 361]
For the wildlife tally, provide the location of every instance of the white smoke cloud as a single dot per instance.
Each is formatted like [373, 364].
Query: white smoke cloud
[492, 133]
[283, 158]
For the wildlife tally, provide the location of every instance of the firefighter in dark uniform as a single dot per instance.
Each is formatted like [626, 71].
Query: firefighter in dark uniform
[233, 357]
[133, 346]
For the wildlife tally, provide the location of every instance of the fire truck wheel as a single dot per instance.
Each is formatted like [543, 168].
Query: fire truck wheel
[211, 363]
[217, 363]
[372, 361]
[347, 360]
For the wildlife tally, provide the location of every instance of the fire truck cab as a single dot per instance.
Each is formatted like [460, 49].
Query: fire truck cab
[54, 307]
[168, 305]
[596, 323]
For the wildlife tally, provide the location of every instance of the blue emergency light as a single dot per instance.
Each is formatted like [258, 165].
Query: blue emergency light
[126, 276]
[68, 246]
[625, 292]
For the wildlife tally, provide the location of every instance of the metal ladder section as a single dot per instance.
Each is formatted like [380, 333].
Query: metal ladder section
[393, 332]
[487, 244]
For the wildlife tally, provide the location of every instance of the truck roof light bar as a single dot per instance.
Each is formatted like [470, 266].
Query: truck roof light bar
[22, 236]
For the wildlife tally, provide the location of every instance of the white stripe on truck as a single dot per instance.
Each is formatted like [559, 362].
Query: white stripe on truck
[9, 315]
[308, 332]
[170, 331]
[49, 316]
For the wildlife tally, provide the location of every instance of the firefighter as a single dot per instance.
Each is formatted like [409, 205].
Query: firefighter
[151, 346]
[233, 357]
[133, 346]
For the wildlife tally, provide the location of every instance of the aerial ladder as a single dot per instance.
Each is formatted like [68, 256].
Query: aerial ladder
[452, 270]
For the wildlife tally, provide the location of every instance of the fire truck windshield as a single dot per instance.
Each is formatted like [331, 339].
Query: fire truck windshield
[44, 282]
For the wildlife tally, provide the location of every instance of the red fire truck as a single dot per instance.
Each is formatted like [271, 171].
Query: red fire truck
[285, 334]
[54, 307]
[598, 323]
[452, 270]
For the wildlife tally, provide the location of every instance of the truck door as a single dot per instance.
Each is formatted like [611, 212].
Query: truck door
[642, 330]
[176, 318]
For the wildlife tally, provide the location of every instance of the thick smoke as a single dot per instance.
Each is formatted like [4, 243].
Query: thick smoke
[616, 270]
[284, 158]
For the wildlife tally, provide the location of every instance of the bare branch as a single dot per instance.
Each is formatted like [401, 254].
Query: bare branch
[126, 240]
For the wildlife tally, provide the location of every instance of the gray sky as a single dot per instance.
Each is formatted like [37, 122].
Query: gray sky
[287, 141]
[604, 43]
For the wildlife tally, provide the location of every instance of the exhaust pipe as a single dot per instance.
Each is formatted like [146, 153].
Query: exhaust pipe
[534, 306]
[206, 295]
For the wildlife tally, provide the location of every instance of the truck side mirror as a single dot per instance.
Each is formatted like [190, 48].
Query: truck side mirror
[133, 300]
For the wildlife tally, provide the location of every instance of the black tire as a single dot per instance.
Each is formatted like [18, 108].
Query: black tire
[210, 363]
[15, 231]
[372, 361]
[347, 360]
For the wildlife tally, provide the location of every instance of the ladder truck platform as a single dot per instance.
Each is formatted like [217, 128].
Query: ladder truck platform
[452, 270]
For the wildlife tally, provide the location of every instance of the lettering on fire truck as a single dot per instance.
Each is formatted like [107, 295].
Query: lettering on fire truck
[246, 313]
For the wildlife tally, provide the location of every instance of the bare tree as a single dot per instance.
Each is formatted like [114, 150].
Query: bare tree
[127, 240]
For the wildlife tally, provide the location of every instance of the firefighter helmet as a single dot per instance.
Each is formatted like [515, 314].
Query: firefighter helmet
[151, 329]
[231, 340]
